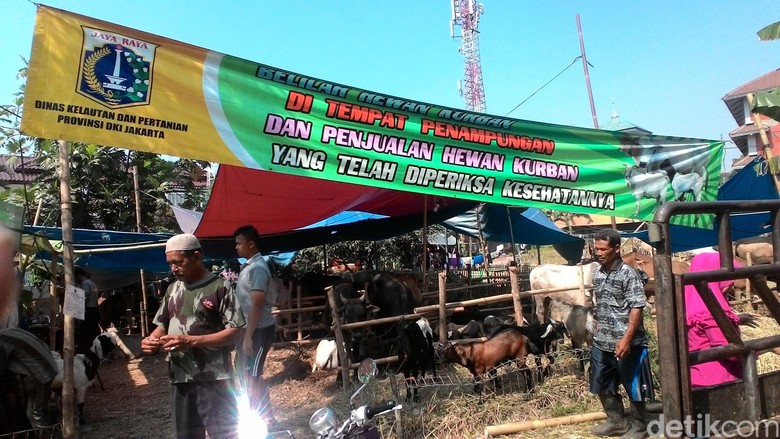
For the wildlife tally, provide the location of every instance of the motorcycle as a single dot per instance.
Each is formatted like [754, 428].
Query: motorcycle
[360, 423]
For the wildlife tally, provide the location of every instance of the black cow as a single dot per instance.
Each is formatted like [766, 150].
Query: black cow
[315, 284]
[386, 296]
[391, 295]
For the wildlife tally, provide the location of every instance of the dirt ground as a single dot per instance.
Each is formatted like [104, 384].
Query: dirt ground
[133, 401]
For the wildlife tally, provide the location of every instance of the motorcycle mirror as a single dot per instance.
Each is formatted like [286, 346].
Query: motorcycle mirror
[367, 370]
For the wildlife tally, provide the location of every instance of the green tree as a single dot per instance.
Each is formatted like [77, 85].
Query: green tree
[102, 185]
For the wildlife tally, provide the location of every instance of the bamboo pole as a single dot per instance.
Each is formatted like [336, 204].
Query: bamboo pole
[340, 347]
[767, 145]
[516, 427]
[442, 306]
[496, 298]
[144, 317]
[425, 257]
[68, 346]
[374, 322]
[518, 305]
[54, 303]
[511, 234]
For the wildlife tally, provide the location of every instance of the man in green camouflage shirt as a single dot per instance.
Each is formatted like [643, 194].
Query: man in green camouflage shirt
[197, 324]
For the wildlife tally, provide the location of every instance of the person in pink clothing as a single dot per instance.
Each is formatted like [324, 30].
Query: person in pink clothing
[703, 331]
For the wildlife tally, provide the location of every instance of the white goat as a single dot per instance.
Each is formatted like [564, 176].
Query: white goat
[84, 373]
[684, 183]
[106, 343]
[647, 185]
[326, 356]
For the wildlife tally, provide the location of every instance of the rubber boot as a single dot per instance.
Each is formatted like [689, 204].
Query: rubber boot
[638, 422]
[616, 423]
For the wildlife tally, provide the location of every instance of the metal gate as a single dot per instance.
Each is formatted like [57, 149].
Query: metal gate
[756, 397]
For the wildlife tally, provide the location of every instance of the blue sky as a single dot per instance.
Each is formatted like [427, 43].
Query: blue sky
[665, 64]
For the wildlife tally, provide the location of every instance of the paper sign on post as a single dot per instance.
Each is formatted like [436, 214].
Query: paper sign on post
[74, 302]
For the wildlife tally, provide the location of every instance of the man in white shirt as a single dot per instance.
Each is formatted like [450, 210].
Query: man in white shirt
[252, 291]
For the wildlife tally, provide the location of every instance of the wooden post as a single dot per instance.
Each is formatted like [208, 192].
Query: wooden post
[483, 245]
[399, 430]
[443, 307]
[298, 305]
[344, 358]
[748, 286]
[144, 318]
[54, 303]
[515, 287]
[511, 235]
[69, 430]
[425, 258]
[767, 145]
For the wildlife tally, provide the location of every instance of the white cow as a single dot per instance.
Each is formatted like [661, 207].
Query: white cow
[557, 305]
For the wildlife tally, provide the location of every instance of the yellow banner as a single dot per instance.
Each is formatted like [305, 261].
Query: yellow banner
[101, 83]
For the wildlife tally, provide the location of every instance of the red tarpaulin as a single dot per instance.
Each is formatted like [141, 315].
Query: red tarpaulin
[277, 203]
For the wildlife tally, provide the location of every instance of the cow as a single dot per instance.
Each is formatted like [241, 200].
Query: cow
[315, 284]
[415, 354]
[759, 247]
[646, 184]
[412, 281]
[481, 358]
[644, 263]
[551, 276]
[386, 296]
[112, 309]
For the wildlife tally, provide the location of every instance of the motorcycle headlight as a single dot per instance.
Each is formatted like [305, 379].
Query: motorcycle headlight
[322, 421]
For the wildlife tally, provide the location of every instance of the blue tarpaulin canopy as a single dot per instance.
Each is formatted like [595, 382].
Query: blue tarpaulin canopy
[527, 226]
[109, 250]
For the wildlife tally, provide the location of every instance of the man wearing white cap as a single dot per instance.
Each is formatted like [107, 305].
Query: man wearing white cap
[197, 324]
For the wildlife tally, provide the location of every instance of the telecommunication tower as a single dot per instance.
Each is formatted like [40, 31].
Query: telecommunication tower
[465, 13]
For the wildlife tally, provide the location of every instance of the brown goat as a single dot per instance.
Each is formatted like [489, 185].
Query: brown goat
[481, 358]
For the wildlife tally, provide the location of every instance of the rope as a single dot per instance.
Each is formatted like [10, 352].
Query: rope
[545, 84]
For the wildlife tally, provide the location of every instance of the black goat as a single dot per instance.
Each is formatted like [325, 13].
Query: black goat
[415, 353]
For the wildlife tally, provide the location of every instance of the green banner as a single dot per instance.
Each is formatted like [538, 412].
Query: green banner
[98, 82]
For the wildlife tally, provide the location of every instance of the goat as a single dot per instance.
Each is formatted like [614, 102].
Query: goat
[481, 358]
[326, 356]
[541, 341]
[106, 343]
[85, 368]
[415, 351]
[685, 183]
[647, 185]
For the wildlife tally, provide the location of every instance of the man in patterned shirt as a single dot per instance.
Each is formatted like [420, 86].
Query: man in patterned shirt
[619, 341]
[197, 324]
